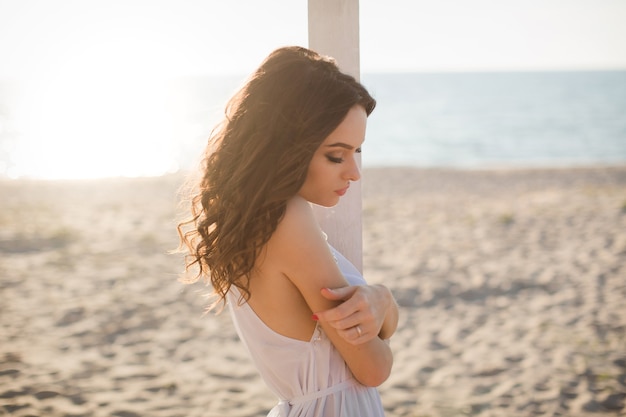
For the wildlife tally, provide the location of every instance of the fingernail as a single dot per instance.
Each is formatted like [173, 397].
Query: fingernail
[314, 317]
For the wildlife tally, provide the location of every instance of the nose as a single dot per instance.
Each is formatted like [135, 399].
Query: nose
[353, 172]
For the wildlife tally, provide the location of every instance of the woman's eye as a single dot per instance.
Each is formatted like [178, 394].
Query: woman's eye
[334, 159]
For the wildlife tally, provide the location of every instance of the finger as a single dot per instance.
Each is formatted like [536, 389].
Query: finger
[347, 324]
[355, 335]
[337, 294]
[340, 317]
[352, 304]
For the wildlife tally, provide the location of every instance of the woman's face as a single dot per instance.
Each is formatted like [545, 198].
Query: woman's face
[334, 163]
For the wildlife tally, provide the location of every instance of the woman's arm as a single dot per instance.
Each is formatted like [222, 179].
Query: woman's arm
[371, 307]
[306, 260]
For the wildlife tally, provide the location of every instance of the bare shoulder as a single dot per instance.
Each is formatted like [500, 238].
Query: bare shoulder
[302, 254]
[297, 224]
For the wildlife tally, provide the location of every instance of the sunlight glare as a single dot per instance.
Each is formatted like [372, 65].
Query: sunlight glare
[99, 113]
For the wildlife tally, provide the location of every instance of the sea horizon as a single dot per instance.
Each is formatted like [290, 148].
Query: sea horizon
[453, 120]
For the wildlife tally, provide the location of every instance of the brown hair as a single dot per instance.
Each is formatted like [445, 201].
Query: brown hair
[257, 159]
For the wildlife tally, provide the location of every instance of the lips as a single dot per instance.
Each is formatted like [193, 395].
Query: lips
[342, 191]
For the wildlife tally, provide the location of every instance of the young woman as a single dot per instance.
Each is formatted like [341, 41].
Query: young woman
[316, 332]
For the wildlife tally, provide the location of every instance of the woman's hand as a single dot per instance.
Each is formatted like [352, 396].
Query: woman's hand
[367, 311]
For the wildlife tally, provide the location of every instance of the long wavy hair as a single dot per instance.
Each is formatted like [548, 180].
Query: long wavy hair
[257, 159]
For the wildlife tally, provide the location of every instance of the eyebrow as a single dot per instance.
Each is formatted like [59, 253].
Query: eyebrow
[340, 145]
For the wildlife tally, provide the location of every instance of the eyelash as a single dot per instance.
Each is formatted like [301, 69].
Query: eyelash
[339, 160]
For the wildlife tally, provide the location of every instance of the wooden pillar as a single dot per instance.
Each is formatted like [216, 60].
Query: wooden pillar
[334, 31]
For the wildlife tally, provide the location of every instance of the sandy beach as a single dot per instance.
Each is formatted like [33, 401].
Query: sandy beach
[511, 286]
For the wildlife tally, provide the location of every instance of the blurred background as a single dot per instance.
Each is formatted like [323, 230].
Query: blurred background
[92, 89]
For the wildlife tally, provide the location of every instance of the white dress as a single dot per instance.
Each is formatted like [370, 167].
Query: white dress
[311, 379]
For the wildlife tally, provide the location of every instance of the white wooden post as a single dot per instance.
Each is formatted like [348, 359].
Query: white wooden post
[334, 31]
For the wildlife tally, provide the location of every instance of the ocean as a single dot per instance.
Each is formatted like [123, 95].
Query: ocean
[457, 120]
[478, 120]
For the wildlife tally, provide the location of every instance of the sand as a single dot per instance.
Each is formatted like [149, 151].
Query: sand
[511, 286]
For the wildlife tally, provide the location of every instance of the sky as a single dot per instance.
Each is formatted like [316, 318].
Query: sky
[157, 38]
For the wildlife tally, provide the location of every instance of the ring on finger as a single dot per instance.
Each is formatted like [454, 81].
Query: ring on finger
[358, 330]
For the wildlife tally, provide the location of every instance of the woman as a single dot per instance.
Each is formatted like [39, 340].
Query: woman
[314, 330]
